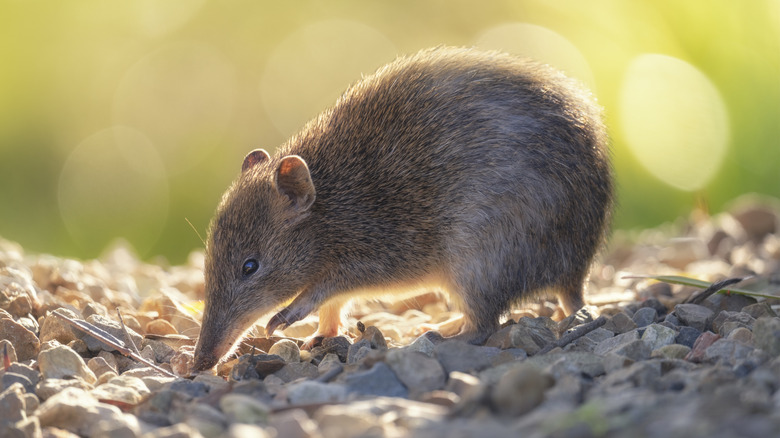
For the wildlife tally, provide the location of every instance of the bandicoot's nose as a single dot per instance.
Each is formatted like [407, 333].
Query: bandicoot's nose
[204, 361]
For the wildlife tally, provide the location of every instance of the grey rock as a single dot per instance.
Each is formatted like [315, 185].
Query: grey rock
[672, 351]
[635, 350]
[113, 328]
[730, 303]
[162, 351]
[189, 388]
[766, 335]
[520, 390]
[375, 338]
[62, 362]
[297, 370]
[694, 315]
[286, 349]
[49, 387]
[25, 342]
[9, 378]
[461, 383]
[241, 408]
[657, 336]
[726, 321]
[742, 334]
[77, 411]
[599, 335]
[640, 374]
[727, 351]
[308, 391]
[294, 424]
[687, 336]
[423, 345]
[573, 363]
[620, 323]
[338, 345]
[644, 316]
[55, 328]
[12, 404]
[358, 351]
[380, 380]
[759, 310]
[618, 341]
[455, 355]
[672, 320]
[418, 372]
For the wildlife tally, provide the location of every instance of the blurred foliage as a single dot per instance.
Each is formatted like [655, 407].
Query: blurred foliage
[121, 119]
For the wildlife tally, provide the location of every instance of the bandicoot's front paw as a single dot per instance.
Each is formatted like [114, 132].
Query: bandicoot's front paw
[285, 318]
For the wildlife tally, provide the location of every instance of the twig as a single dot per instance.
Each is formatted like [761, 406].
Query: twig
[580, 331]
[109, 339]
[712, 289]
[127, 335]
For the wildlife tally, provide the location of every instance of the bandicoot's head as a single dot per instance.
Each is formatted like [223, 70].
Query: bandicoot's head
[256, 255]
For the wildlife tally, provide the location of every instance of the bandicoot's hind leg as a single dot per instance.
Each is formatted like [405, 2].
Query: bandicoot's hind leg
[570, 295]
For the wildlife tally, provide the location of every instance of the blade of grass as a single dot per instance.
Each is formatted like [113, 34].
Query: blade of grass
[686, 281]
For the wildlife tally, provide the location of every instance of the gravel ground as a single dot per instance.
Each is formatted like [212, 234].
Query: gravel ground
[644, 359]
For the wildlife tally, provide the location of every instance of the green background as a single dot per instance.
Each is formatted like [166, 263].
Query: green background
[121, 119]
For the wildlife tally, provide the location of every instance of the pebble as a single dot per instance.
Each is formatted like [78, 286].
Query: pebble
[55, 328]
[286, 349]
[112, 327]
[694, 315]
[699, 349]
[657, 336]
[26, 344]
[620, 323]
[378, 381]
[520, 390]
[241, 408]
[418, 372]
[62, 362]
[76, 411]
[766, 335]
[644, 316]
[457, 355]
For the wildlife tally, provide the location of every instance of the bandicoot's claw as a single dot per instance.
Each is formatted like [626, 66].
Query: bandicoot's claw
[277, 321]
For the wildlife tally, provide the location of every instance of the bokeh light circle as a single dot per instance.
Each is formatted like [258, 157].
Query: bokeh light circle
[112, 185]
[181, 96]
[541, 44]
[315, 64]
[674, 120]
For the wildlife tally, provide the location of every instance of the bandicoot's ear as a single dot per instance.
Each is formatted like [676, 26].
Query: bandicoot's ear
[294, 181]
[254, 158]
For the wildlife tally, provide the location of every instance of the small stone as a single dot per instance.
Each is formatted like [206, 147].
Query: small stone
[163, 353]
[726, 321]
[310, 391]
[726, 351]
[77, 411]
[242, 430]
[112, 327]
[461, 383]
[694, 315]
[46, 388]
[766, 335]
[728, 302]
[757, 220]
[9, 378]
[12, 405]
[62, 362]
[190, 388]
[358, 351]
[338, 345]
[297, 370]
[455, 355]
[182, 362]
[635, 350]
[600, 334]
[520, 390]
[759, 310]
[26, 343]
[530, 336]
[700, 346]
[6, 347]
[20, 306]
[98, 365]
[379, 380]
[571, 363]
[657, 336]
[620, 323]
[418, 372]
[423, 345]
[644, 316]
[117, 393]
[160, 327]
[672, 351]
[741, 334]
[241, 408]
[618, 341]
[375, 338]
[286, 349]
[687, 336]
[294, 424]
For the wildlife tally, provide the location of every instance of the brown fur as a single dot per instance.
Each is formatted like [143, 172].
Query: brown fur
[480, 173]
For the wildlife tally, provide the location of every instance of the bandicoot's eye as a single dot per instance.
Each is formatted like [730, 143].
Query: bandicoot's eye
[250, 267]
